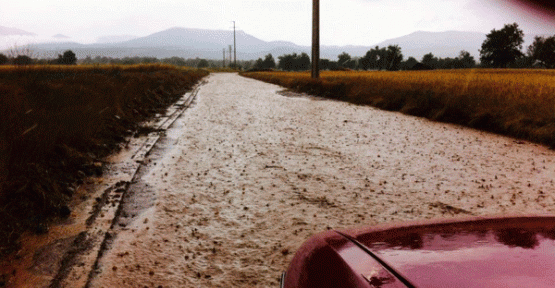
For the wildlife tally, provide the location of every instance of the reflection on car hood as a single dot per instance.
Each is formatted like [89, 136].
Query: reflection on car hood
[478, 252]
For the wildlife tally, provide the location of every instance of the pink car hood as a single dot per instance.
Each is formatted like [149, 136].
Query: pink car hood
[471, 252]
[478, 252]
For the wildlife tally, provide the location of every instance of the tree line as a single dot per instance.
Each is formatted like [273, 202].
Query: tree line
[69, 58]
[501, 49]
[386, 58]
[18, 58]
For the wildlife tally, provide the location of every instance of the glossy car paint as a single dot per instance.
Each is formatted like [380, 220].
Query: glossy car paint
[330, 260]
[472, 252]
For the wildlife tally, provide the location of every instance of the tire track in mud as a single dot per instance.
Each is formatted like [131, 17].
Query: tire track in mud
[80, 262]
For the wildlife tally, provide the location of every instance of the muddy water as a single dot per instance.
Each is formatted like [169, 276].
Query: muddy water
[247, 174]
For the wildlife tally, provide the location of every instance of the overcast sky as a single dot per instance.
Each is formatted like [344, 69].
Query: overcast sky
[343, 22]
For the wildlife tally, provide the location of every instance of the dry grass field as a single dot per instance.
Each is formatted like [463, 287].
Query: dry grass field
[519, 103]
[57, 122]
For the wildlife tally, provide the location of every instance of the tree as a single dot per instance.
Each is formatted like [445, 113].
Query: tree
[269, 62]
[3, 59]
[258, 64]
[502, 47]
[466, 60]
[389, 58]
[430, 60]
[343, 58]
[449, 63]
[370, 60]
[203, 63]
[67, 59]
[22, 60]
[326, 64]
[88, 60]
[393, 57]
[408, 64]
[287, 62]
[345, 61]
[304, 62]
[294, 62]
[247, 65]
[542, 51]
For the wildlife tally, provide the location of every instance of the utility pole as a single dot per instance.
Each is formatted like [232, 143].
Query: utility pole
[230, 58]
[315, 38]
[224, 59]
[234, 48]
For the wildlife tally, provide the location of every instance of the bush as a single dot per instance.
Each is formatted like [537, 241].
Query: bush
[203, 63]
[22, 60]
[3, 59]
[68, 58]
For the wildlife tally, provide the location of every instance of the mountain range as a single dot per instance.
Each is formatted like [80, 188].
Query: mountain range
[210, 44]
[8, 31]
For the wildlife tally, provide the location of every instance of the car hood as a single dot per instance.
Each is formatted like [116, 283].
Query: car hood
[474, 252]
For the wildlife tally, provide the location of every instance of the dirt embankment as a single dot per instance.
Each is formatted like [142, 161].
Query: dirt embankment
[247, 174]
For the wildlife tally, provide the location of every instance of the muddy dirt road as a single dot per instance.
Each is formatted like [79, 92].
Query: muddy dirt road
[248, 173]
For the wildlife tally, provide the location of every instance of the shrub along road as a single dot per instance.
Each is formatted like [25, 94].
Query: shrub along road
[249, 172]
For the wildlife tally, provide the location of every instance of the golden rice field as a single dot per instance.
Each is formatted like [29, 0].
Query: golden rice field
[56, 124]
[515, 102]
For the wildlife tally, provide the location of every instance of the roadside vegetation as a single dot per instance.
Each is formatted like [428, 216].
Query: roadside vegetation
[514, 102]
[505, 100]
[59, 121]
[501, 49]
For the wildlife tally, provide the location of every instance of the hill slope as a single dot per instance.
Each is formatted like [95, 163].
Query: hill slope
[441, 44]
[7, 31]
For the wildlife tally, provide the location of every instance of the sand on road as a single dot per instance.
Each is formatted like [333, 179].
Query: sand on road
[248, 173]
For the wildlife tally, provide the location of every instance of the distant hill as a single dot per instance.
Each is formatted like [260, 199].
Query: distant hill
[441, 44]
[181, 42]
[210, 44]
[7, 31]
[195, 38]
[60, 36]
[114, 39]
[204, 43]
[444, 44]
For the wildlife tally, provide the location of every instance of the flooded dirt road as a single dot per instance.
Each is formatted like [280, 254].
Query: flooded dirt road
[248, 173]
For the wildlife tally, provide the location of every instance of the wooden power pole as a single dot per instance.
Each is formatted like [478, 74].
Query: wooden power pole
[224, 59]
[234, 48]
[315, 38]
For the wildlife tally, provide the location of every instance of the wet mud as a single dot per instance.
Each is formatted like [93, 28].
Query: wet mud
[247, 174]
